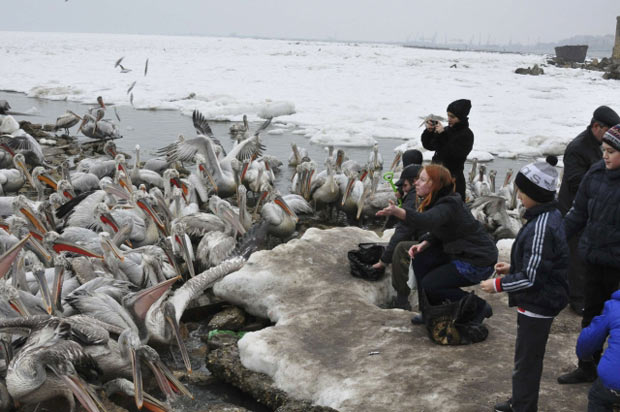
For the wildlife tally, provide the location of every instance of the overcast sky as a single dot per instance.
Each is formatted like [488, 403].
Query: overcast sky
[475, 21]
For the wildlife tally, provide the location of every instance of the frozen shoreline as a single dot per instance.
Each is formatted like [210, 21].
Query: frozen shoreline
[345, 94]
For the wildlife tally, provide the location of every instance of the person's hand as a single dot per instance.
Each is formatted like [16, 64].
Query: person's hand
[488, 285]
[430, 126]
[378, 265]
[398, 194]
[439, 127]
[415, 249]
[389, 210]
[502, 268]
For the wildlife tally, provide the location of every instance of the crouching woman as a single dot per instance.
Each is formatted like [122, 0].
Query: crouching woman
[455, 252]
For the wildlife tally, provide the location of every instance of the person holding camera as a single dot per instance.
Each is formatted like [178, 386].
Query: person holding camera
[453, 143]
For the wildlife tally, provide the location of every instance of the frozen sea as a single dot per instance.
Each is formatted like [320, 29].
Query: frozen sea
[345, 94]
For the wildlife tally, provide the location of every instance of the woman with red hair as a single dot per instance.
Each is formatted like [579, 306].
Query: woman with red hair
[456, 251]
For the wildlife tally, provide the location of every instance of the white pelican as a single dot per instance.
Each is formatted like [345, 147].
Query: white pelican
[67, 121]
[11, 180]
[281, 213]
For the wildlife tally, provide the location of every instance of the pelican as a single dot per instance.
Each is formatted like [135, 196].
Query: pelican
[100, 166]
[281, 213]
[28, 146]
[97, 128]
[298, 156]
[242, 128]
[163, 317]
[41, 177]
[139, 175]
[375, 161]
[4, 106]
[11, 180]
[8, 125]
[67, 121]
[323, 190]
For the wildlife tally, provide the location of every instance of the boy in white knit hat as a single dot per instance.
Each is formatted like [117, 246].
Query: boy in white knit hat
[535, 280]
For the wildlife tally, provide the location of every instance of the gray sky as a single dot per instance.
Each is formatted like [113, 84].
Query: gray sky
[476, 21]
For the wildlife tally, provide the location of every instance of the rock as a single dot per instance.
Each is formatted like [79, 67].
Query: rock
[533, 71]
[327, 324]
[34, 130]
[231, 318]
[220, 340]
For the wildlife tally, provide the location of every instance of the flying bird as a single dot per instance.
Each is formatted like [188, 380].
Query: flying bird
[123, 69]
[131, 99]
[116, 114]
[146, 66]
[131, 87]
[118, 62]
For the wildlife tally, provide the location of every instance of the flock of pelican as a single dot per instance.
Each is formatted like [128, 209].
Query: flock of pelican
[89, 263]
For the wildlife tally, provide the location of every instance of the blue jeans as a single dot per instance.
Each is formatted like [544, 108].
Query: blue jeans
[602, 399]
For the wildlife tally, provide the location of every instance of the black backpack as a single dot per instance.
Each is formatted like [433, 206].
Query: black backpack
[362, 259]
[451, 323]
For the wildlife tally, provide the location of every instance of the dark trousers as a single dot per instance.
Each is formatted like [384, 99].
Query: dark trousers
[602, 399]
[576, 274]
[532, 334]
[400, 267]
[438, 277]
[459, 183]
[601, 282]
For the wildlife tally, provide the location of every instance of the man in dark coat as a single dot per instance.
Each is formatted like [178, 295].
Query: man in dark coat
[453, 143]
[580, 154]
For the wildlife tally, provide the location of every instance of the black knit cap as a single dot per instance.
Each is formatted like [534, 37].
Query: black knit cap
[605, 116]
[460, 108]
[409, 172]
[538, 180]
[412, 157]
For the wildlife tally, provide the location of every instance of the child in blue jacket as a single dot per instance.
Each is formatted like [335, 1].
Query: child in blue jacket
[535, 280]
[605, 392]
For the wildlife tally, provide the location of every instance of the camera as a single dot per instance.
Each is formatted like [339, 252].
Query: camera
[434, 122]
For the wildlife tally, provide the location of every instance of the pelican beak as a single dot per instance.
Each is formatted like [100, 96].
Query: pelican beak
[172, 380]
[246, 166]
[84, 121]
[29, 214]
[363, 176]
[107, 219]
[308, 183]
[186, 254]
[65, 246]
[59, 275]
[209, 176]
[48, 180]
[38, 249]
[26, 172]
[45, 290]
[114, 249]
[141, 302]
[149, 210]
[18, 306]
[79, 389]
[76, 115]
[360, 203]
[339, 158]
[138, 393]
[347, 192]
[10, 255]
[280, 202]
[170, 315]
[397, 158]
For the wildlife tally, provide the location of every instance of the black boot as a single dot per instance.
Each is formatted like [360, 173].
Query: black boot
[402, 302]
[585, 372]
[418, 319]
[505, 406]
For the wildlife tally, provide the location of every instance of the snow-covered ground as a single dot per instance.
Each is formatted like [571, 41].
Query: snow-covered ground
[333, 93]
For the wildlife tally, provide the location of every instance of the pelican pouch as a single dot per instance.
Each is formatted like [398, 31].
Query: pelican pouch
[450, 323]
[362, 259]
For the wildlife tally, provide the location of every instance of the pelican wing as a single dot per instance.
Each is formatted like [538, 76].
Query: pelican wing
[297, 204]
[201, 125]
[199, 224]
[101, 307]
[23, 142]
[263, 127]
[247, 148]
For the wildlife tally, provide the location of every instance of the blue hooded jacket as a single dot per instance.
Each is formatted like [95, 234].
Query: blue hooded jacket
[593, 338]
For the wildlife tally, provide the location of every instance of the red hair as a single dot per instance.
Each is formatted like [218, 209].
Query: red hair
[440, 178]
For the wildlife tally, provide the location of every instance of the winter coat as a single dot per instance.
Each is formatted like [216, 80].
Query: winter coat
[579, 156]
[596, 210]
[451, 149]
[538, 263]
[450, 222]
[402, 231]
[593, 338]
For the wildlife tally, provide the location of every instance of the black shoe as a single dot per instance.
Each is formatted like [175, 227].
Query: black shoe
[579, 375]
[505, 406]
[577, 307]
[418, 319]
[485, 312]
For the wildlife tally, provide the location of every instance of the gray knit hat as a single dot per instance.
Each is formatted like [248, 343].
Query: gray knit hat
[538, 180]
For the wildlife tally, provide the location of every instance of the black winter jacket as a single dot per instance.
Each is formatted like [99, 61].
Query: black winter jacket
[450, 222]
[538, 263]
[451, 149]
[579, 156]
[596, 210]
[403, 231]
